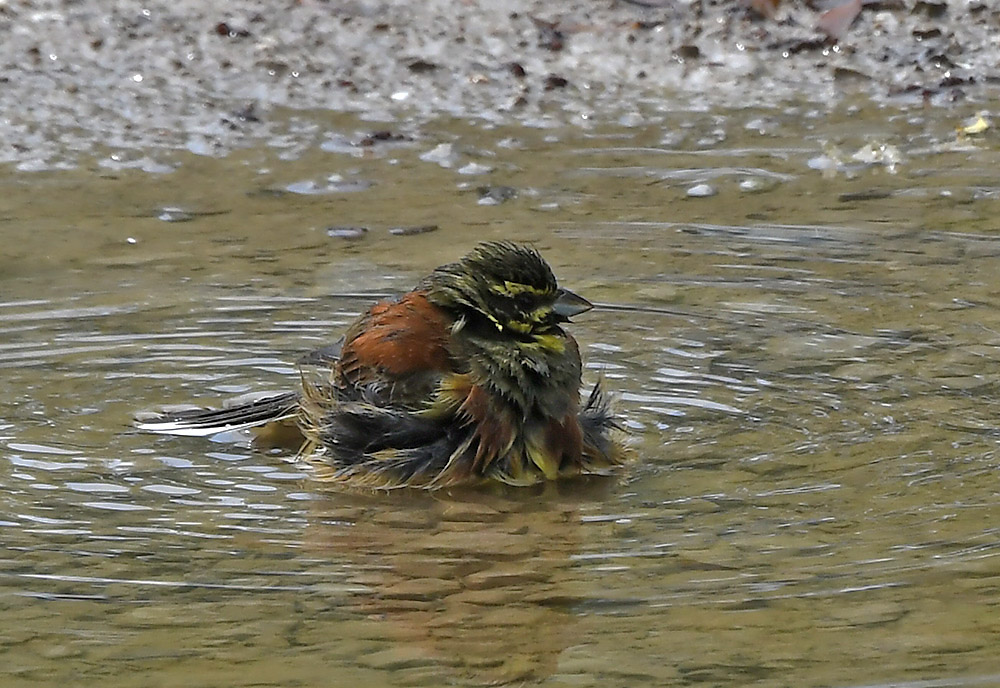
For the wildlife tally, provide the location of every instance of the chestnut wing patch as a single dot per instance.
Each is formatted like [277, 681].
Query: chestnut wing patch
[397, 351]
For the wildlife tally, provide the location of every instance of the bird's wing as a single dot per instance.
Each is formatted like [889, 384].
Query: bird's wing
[208, 422]
[396, 353]
[327, 355]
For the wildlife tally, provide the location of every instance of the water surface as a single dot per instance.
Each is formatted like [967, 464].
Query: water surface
[805, 362]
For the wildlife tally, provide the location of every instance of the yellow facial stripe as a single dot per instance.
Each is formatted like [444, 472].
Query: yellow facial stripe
[549, 342]
[494, 321]
[540, 314]
[552, 343]
[522, 327]
[509, 288]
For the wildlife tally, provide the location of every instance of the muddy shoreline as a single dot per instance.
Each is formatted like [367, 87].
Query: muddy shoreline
[95, 78]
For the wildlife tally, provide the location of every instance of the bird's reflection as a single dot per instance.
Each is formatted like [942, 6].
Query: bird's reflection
[481, 585]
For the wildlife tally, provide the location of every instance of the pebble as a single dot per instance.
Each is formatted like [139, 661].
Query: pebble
[474, 168]
[172, 214]
[412, 230]
[495, 195]
[443, 154]
[701, 191]
[822, 163]
[346, 232]
[333, 184]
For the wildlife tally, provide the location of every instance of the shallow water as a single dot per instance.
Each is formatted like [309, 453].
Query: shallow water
[805, 362]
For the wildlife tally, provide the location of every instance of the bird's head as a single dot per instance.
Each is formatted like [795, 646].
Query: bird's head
[509, 286]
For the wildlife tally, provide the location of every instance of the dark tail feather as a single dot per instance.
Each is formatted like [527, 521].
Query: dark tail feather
[599, 426]
[423, 467]
[376, 447]
[206, 422]
[362, 428]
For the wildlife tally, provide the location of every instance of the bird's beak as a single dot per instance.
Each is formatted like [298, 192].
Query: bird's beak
[569, 304]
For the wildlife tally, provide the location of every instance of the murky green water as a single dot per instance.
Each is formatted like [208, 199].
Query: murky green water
[808, 366]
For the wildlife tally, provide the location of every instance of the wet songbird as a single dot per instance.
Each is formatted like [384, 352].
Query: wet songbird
[470, 377]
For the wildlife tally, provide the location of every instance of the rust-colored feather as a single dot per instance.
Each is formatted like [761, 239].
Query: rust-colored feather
[394, 341]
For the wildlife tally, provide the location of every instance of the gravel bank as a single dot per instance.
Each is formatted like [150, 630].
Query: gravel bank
[92, 76]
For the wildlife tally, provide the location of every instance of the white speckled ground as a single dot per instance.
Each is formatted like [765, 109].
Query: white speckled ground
[96, 75]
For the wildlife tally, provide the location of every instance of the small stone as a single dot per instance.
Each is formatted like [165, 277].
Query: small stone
[346, 232]
[554, 81]
[332, 184]
[822, 163]
[864, 195]
[412, 230]
[421, 66]
[474, 168]
[495, 195]
[701, 191]
[172, 214]
[443, 154]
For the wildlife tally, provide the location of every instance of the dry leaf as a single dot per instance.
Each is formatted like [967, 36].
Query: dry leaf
[765, 8]
[835, 22]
